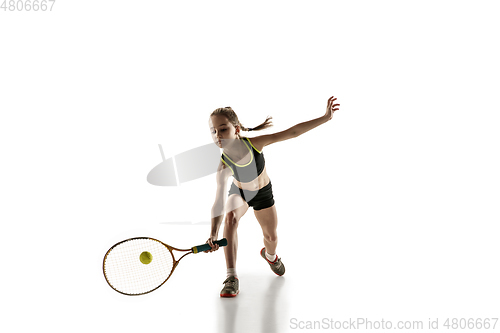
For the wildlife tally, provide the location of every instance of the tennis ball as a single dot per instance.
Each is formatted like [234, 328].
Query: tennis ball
[146, 257]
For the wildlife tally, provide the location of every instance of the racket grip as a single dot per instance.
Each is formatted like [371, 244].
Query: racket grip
[205, 247]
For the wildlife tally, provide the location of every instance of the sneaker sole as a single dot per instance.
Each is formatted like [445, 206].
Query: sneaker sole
[229, 295]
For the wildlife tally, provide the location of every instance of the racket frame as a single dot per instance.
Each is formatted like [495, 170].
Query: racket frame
[169, 247]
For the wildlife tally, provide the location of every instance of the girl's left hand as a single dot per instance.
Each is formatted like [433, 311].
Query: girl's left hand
[330, 108]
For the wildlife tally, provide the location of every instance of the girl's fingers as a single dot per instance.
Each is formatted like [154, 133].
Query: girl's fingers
[331, 99]
[214, 247]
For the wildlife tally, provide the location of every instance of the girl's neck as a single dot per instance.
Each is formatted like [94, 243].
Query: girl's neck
[238, 150]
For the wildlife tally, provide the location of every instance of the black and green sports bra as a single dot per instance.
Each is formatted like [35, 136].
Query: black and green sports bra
[251, 170]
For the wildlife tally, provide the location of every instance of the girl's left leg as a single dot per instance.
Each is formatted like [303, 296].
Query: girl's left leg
[268, 220]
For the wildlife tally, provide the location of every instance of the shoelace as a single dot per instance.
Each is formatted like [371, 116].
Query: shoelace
[229, 283]
[277, 263]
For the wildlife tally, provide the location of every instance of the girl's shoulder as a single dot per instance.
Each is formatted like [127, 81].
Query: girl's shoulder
[223, 170]
[221, 166]
[255, 143]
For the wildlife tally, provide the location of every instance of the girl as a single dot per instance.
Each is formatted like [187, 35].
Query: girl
[243, 159]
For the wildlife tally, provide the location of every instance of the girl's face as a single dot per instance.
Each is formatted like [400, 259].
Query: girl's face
[223, 132]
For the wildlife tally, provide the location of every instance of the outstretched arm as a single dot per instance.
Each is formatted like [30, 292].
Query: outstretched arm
[301, 128]
[298, 129]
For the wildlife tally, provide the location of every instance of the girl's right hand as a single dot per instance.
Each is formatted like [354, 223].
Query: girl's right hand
[210, 242]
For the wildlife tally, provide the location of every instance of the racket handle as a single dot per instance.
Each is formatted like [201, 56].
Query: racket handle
[205, 247]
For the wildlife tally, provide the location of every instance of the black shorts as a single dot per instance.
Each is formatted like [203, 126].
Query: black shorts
[259, 199]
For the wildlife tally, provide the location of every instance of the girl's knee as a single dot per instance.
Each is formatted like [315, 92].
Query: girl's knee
[271, 237]
[231, 220]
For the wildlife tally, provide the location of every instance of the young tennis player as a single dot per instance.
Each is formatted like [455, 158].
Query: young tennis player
[243, 159]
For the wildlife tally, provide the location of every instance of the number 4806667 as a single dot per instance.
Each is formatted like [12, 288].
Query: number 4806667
[27, 5]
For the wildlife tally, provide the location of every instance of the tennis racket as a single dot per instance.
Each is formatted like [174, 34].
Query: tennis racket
[137, 266]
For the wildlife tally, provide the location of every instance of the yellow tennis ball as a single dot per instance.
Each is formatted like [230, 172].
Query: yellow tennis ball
[146, 257]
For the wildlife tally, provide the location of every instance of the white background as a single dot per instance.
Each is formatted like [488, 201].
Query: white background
[388, 211]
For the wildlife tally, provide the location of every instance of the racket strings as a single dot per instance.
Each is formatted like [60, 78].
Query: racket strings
[127, 274]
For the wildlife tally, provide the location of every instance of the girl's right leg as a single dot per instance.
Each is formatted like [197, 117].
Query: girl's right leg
[236, 207]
